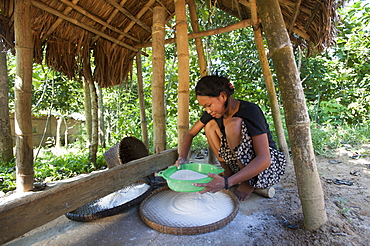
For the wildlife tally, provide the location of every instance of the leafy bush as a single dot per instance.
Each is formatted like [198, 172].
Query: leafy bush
[52, 167]
[325, 138]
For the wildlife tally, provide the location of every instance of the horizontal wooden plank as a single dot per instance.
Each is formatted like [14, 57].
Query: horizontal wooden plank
[35, 209]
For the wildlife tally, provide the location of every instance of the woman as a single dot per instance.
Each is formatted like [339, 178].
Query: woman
[239, 135]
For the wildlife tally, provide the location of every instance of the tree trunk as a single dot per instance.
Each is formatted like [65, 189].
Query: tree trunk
[297, 119]
[6, 140]
[94, 124]
[275, 108]
[183, 70]
[65, 132]
[58, 140]
[144, 129]
[159, 113]
[23, 95]
[87, 108]
[101, 116]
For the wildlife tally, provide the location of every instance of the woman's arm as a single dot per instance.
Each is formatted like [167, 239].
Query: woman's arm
[256, 166]
[186, 143]
[260, 163]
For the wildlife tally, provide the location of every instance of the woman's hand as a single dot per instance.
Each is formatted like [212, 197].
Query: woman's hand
[216, 184]
[180, 161]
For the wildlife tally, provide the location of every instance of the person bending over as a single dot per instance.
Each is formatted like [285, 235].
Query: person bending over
[239, 135]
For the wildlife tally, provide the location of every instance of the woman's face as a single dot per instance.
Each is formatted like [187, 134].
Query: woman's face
[215, 106]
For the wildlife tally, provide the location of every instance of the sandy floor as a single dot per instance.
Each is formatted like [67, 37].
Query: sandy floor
[260, 220]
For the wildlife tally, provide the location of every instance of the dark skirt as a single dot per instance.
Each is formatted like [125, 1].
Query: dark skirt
[245, 154]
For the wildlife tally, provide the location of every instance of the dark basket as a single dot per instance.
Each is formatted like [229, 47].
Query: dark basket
[89, 212]
[128, 149]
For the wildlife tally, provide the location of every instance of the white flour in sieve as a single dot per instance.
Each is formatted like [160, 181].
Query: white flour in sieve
[175, 209]
[120, 197]
[187, 175]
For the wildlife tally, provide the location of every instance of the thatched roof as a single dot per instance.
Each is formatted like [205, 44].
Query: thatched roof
[68, 32]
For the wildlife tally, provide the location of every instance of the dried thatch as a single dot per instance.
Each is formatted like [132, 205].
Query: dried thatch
[69, 32]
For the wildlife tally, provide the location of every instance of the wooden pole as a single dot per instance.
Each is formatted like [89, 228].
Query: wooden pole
[183, 70]
[275, 108]
[198, 41]
[23, 95]
[158, 106]
[144, 129]
[202, 61]
[297, 119]
[232, 27]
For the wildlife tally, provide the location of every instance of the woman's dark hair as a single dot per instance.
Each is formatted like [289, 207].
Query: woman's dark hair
[213, 85]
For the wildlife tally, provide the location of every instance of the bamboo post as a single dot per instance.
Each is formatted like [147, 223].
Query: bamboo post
[183, 69]
[201, 58]
[297, 119]
[198, 41]
[159, 115]
[23, 95]
[275, 109]
[144, 129]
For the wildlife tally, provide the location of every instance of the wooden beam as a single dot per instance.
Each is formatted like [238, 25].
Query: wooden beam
[57, 22]
[35, 209]
[138, 16]
[232, 27]
[129, 15]
[80, 24]
[98, 20]
[238, 9]
[245, 3]
[294, 16]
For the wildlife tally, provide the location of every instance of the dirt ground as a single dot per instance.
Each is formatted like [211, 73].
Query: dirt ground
[260, 221]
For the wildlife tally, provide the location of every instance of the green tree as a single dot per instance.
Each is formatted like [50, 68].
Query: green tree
[337, 82]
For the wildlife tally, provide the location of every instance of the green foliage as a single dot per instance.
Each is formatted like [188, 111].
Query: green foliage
[53, 90]
[52, 167]
[336, 83]
[7, 176]
[327, 137]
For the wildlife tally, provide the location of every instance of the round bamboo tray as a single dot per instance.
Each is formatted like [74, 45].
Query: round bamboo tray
[156, 224]
[92, 211]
